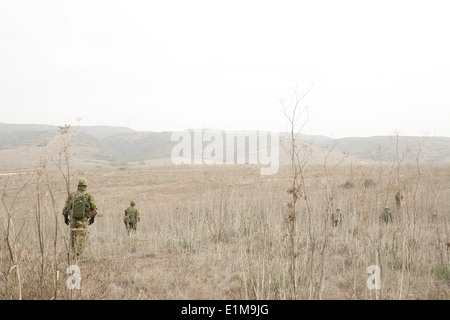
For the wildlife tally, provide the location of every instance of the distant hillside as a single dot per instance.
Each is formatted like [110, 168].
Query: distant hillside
[139, 146]
[21, 145]
[384, 148]
[28, 138]
[98, 132]
[6, 127]
[101, 132]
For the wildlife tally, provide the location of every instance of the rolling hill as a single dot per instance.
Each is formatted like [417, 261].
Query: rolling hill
[22, 145]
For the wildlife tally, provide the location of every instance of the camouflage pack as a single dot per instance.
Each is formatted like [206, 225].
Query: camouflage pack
[80, 204]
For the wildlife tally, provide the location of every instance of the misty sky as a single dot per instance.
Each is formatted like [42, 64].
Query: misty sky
[377, 67]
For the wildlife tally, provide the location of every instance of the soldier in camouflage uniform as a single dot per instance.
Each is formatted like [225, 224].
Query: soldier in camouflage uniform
[83, 207]
[386, 216]
[336, 217]
[398, 200]
[132, 217]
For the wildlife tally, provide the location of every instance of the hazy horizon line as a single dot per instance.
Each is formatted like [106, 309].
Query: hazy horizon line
[228, 130]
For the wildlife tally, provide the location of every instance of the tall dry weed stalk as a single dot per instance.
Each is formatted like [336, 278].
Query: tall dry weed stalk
[298, 160]
[12, 242]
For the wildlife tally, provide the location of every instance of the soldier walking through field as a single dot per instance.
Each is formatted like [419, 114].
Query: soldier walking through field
[386, 215]
[84, 209]
[132, 217]
[336, 217]
[398, 200]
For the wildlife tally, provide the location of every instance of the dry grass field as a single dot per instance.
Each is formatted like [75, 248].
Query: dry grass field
[221, 232]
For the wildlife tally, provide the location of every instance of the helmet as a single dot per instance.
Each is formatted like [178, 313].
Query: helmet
[82, 182]
[133, 202]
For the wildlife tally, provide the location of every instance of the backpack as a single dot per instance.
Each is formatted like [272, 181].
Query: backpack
[81, 204]
[130, 215]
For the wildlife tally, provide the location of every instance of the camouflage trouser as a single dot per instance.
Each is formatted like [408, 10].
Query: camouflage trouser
[130, 226]
[335, 220]
[386, 217]
[79, 230]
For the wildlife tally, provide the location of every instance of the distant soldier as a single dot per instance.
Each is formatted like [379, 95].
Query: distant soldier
[386, 215]
[336, 217]
[132, 217]
[84, 210]
[398, 200]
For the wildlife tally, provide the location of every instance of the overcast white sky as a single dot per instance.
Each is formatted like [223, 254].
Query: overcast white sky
[376, 66]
